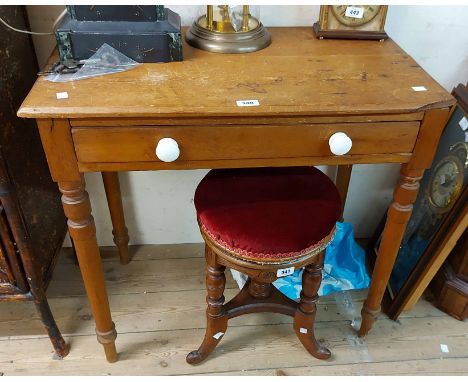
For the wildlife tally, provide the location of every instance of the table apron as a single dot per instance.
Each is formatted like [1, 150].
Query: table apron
[133, 147]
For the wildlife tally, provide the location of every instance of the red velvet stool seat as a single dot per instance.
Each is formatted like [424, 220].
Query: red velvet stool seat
[265, 222]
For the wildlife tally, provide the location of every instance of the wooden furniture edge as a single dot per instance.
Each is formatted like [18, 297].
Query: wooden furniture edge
[348, 34]
[428, 138]
[234, 163]
[77, 113]
[59, 149]
[245, 120]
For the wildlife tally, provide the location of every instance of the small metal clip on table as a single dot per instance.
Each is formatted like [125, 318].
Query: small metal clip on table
[307, 90]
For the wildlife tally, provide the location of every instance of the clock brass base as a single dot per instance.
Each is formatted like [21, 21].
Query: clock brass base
[240, 42]
[349, 34]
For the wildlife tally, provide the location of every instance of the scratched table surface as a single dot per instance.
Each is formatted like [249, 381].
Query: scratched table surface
[306, 77]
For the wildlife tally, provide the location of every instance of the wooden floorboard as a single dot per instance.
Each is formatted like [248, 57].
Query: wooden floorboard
[158, 304]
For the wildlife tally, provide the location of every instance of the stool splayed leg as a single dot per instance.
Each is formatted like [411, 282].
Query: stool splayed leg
[305, 316]
[259, 295]
[215, 313]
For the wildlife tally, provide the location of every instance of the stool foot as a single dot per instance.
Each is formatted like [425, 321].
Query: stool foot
[304, 328]
[215, 330]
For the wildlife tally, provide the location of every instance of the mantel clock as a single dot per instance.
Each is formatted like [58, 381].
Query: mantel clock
[363, 22]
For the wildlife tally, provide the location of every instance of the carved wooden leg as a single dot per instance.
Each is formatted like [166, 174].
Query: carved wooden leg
[215, 313]
[398, 216]
[305, 314]
[81, 226]
[43, 308]
[343, 177]
[114, 200]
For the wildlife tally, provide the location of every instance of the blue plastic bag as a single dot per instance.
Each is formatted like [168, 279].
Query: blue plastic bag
[344, 267]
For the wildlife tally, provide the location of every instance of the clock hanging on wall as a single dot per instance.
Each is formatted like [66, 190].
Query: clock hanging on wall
[363, 22]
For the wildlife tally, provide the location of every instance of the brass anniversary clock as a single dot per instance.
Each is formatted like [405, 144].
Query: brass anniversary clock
[364, 22]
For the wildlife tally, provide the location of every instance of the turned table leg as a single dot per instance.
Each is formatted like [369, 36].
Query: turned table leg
[400, 211]
[398, 216]
[114, 200]
[343, 177]
[81, 226]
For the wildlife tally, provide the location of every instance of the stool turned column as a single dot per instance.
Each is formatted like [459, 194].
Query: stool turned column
[259, 290]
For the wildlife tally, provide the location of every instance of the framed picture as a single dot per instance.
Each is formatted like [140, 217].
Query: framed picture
[437, 214]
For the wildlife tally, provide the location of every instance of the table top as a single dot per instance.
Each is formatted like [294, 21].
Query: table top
[296, 75]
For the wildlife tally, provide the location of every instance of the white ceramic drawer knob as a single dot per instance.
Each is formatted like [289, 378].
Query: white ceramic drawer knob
[340, 143]
[167, 150]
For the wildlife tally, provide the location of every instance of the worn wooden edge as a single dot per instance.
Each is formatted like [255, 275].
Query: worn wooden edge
[150, 112]
[349, 34]
[58, 146]
[335, 125]
[235, 163]
[35, 110]
[245, 120]
[427, 141]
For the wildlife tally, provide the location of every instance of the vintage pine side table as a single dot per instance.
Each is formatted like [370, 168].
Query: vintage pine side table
[307, 90]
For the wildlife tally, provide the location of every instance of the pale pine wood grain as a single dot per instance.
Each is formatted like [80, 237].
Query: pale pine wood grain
[163, 352]
[167, 310]
[58, 145]
[138, 144]
[296, 75]
[155, 334]
[435, 366]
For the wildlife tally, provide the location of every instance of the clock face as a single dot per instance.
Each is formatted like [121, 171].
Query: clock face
[355, 15]
[446, 182]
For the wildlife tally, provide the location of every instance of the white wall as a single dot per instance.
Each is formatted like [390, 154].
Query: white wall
[436, 37]
[159, 205]
[41, 19]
